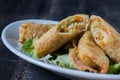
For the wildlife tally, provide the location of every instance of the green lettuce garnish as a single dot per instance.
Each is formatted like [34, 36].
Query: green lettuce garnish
[114, 68]
[57, 58]
[28, 48]
[61, 60]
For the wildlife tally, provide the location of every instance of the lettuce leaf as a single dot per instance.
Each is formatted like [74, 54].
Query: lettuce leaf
[61, 60]
[28, 46]
[58, 59]
[114, 68]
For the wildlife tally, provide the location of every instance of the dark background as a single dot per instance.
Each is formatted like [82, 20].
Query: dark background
[13, 67]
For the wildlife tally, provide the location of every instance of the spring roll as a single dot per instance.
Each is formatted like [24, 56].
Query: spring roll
[59, 35]
[75, 40]
[32, 30]
[88, 56]
[106, 37]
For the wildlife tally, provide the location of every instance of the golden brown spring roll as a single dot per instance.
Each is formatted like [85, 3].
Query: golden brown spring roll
[59, 35]
[106, 37]
[88, 56]
[75, 40]
[32, 30]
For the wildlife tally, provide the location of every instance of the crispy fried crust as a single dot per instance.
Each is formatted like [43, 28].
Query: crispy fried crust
[59, 35]
[88, 56]
[111, 38]
[32, 30]
[78, 63]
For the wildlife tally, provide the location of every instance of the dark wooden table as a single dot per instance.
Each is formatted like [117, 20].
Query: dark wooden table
[13, 67]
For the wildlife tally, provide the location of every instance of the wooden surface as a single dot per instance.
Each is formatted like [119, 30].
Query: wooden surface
[15, 68]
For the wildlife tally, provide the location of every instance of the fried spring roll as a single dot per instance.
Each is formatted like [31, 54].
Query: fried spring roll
[106, 37]
[32, 30]
[59, 35]
[88, 56]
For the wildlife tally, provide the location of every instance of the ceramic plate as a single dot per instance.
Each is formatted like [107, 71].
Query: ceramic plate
[10, 39]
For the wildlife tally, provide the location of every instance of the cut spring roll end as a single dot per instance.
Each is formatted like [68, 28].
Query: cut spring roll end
[101, 31]
[74, 23]
[59, 35]
[106, 37]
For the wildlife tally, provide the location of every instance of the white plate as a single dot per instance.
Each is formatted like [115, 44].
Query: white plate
[10, 39]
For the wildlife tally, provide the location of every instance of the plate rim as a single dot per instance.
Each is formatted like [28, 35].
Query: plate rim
[51, 67]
